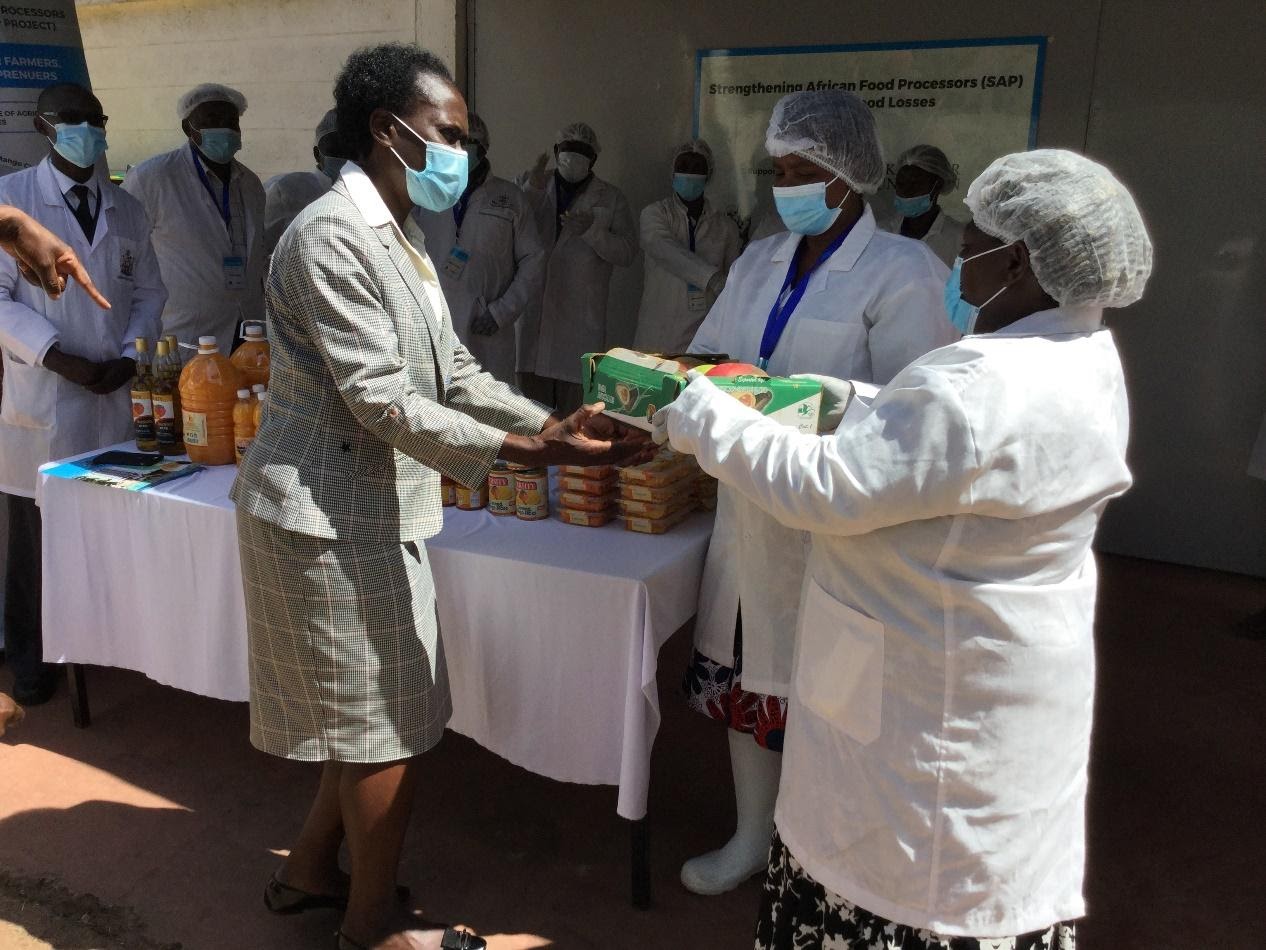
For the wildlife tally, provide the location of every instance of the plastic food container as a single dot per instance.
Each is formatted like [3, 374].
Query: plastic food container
[597, 472]
[656, 525]
[660, 495]
[654, 510]
[578, 501]
[663, 469]
[588, 486]
[586, 519]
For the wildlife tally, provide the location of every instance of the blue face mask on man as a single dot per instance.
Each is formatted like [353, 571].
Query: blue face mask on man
[689, 187]
[220, 145]
[961, 313]
[80, 144]
[439, 185]
[913, 207]
[803, 208]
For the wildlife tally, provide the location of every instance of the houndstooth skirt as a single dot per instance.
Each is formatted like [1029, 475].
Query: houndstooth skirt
[346, 662]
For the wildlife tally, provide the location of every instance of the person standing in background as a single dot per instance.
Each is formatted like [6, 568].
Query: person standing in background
[587, 229]
[490, 258]
[923, 175]
[66, 362]
[689, 246]
[207, 210]
[287, 194]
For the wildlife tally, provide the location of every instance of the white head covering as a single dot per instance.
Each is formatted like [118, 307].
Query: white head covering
[695, 147]
[579, 132]
[1087, 242]
[933, 161]
[209, 92]
[831, 128]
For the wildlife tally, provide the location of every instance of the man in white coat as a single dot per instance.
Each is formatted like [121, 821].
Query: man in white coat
[207, 210]
[835, 297]
[688, 247]
[587, 230]
[491, 262]
[67, 363]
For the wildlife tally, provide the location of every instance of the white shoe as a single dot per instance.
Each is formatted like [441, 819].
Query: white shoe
[720, 871]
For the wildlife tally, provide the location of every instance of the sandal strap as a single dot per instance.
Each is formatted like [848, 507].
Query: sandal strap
[460, 940]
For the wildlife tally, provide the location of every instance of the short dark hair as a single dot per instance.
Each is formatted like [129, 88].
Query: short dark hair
[379, 77]
[56, 91]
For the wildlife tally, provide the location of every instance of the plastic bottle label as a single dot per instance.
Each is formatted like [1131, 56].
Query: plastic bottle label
[143, 415]
[195, 428]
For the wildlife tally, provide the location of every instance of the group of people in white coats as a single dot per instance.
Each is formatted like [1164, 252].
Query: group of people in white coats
[897, 617]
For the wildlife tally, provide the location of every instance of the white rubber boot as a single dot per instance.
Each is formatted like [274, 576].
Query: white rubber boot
[756, 772]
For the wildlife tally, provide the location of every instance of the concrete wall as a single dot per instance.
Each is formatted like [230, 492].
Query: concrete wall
[282, 54]
[1169, 97]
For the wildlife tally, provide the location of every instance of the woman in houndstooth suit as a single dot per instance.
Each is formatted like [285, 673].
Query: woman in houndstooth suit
[371, 398]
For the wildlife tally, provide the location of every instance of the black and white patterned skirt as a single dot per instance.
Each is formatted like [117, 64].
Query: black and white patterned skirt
[798, 913]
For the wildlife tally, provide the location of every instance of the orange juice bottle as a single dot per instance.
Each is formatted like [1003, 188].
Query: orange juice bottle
[260, 400]
[243, 424]
[208, 392]
[251, 358]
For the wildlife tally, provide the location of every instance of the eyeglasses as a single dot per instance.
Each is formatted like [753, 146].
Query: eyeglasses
[76, 117]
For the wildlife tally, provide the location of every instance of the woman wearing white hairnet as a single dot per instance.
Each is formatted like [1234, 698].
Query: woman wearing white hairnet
[689, 245]
[938, 733]
[835, 297]
[924, 173]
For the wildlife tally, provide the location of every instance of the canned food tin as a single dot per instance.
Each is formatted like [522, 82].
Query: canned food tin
[448, 492]
[501, 491]
[471, 499]
[531, 490]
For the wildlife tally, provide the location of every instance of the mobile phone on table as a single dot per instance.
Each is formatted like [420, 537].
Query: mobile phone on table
[129, 459]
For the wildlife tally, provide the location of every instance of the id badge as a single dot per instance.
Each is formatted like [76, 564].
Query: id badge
[234, 273]
[696, 299]
[456, 262]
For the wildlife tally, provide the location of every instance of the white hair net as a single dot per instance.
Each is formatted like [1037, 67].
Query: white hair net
[832, 128]
[933, 161]
[1087, 242]
[695, 147]
[479, 131]
[209, 92]
[578, 132]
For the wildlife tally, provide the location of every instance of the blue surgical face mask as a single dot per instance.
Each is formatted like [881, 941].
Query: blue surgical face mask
[803, 208]
[439, 185]
[689, 187]
[220, 145]
[913, 207]
[961, 313]
[81, 144]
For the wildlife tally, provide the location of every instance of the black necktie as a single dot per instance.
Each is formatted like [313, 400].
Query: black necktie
[83, 214]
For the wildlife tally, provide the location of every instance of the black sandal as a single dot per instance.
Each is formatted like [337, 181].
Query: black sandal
[452, 940]
[283, 899]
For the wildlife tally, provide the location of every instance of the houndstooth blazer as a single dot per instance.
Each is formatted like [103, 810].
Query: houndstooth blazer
[371, 395]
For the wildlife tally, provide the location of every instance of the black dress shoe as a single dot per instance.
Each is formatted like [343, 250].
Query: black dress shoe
[36, 692]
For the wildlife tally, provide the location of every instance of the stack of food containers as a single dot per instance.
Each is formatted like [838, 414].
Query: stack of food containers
[660, 494]
[587, 494]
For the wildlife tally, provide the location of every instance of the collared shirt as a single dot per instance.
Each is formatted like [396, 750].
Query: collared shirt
[68, 184]
[374, 210]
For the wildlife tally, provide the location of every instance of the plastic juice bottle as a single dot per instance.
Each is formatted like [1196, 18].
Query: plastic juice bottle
[260, 400]
[208, 392]
[251, 358]
[243, 424]
[143, 400]
[163, 391]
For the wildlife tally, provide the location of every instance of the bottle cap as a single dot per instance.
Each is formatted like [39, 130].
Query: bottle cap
[258, 388]
[141, 344]
[207, 344]
[262, 396]
[162, 348]
[254, 331]
[243, 394]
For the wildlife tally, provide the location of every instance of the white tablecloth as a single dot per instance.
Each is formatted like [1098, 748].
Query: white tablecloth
[551, 631]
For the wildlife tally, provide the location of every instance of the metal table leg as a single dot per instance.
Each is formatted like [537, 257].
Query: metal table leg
[640, 839]
[79, 695]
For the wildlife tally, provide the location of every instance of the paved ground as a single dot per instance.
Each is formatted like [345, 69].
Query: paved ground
[160, 824]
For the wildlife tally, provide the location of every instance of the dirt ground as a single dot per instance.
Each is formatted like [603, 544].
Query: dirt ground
[37, 913]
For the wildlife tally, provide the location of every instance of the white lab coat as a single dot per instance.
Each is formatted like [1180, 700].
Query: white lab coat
[285, 195]
[938, 733]
[503, 274]
[665, 322]
[569, 318]
[944, 237]
[192, 243]
[874, 306]
[43, 416]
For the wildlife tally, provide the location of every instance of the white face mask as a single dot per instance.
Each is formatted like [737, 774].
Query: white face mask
[573, 166]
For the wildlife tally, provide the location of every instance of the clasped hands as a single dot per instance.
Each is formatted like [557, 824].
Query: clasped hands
[98, 378]
[586, 437]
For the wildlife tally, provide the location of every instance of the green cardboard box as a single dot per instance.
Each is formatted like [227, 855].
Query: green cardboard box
[634, 386]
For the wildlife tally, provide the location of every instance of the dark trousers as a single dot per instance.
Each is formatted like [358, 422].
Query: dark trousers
[561, 396]
[23, 636]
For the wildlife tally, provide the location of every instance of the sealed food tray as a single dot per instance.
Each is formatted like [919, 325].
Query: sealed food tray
[595, 472]
[664, 469]
[578, 501]
[650, 509]
[679, 489]
[588, 486]
[586, 519]
[656, 525]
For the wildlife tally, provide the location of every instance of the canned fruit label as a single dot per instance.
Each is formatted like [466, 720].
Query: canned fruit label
[470, 499]
[531, 495]
[195, 428]
[501, 493]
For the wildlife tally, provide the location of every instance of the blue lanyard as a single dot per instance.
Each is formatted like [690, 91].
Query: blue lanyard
[459, 210]
[780, 313]
[225, 213]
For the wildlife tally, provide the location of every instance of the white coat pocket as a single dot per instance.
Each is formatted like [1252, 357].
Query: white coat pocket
[30, 396]
[840, 668]
[830, 347]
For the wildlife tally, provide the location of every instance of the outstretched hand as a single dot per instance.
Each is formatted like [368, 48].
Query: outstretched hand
[44, 259]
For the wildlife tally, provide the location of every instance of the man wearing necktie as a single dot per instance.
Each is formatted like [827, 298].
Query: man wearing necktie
[66, 361]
